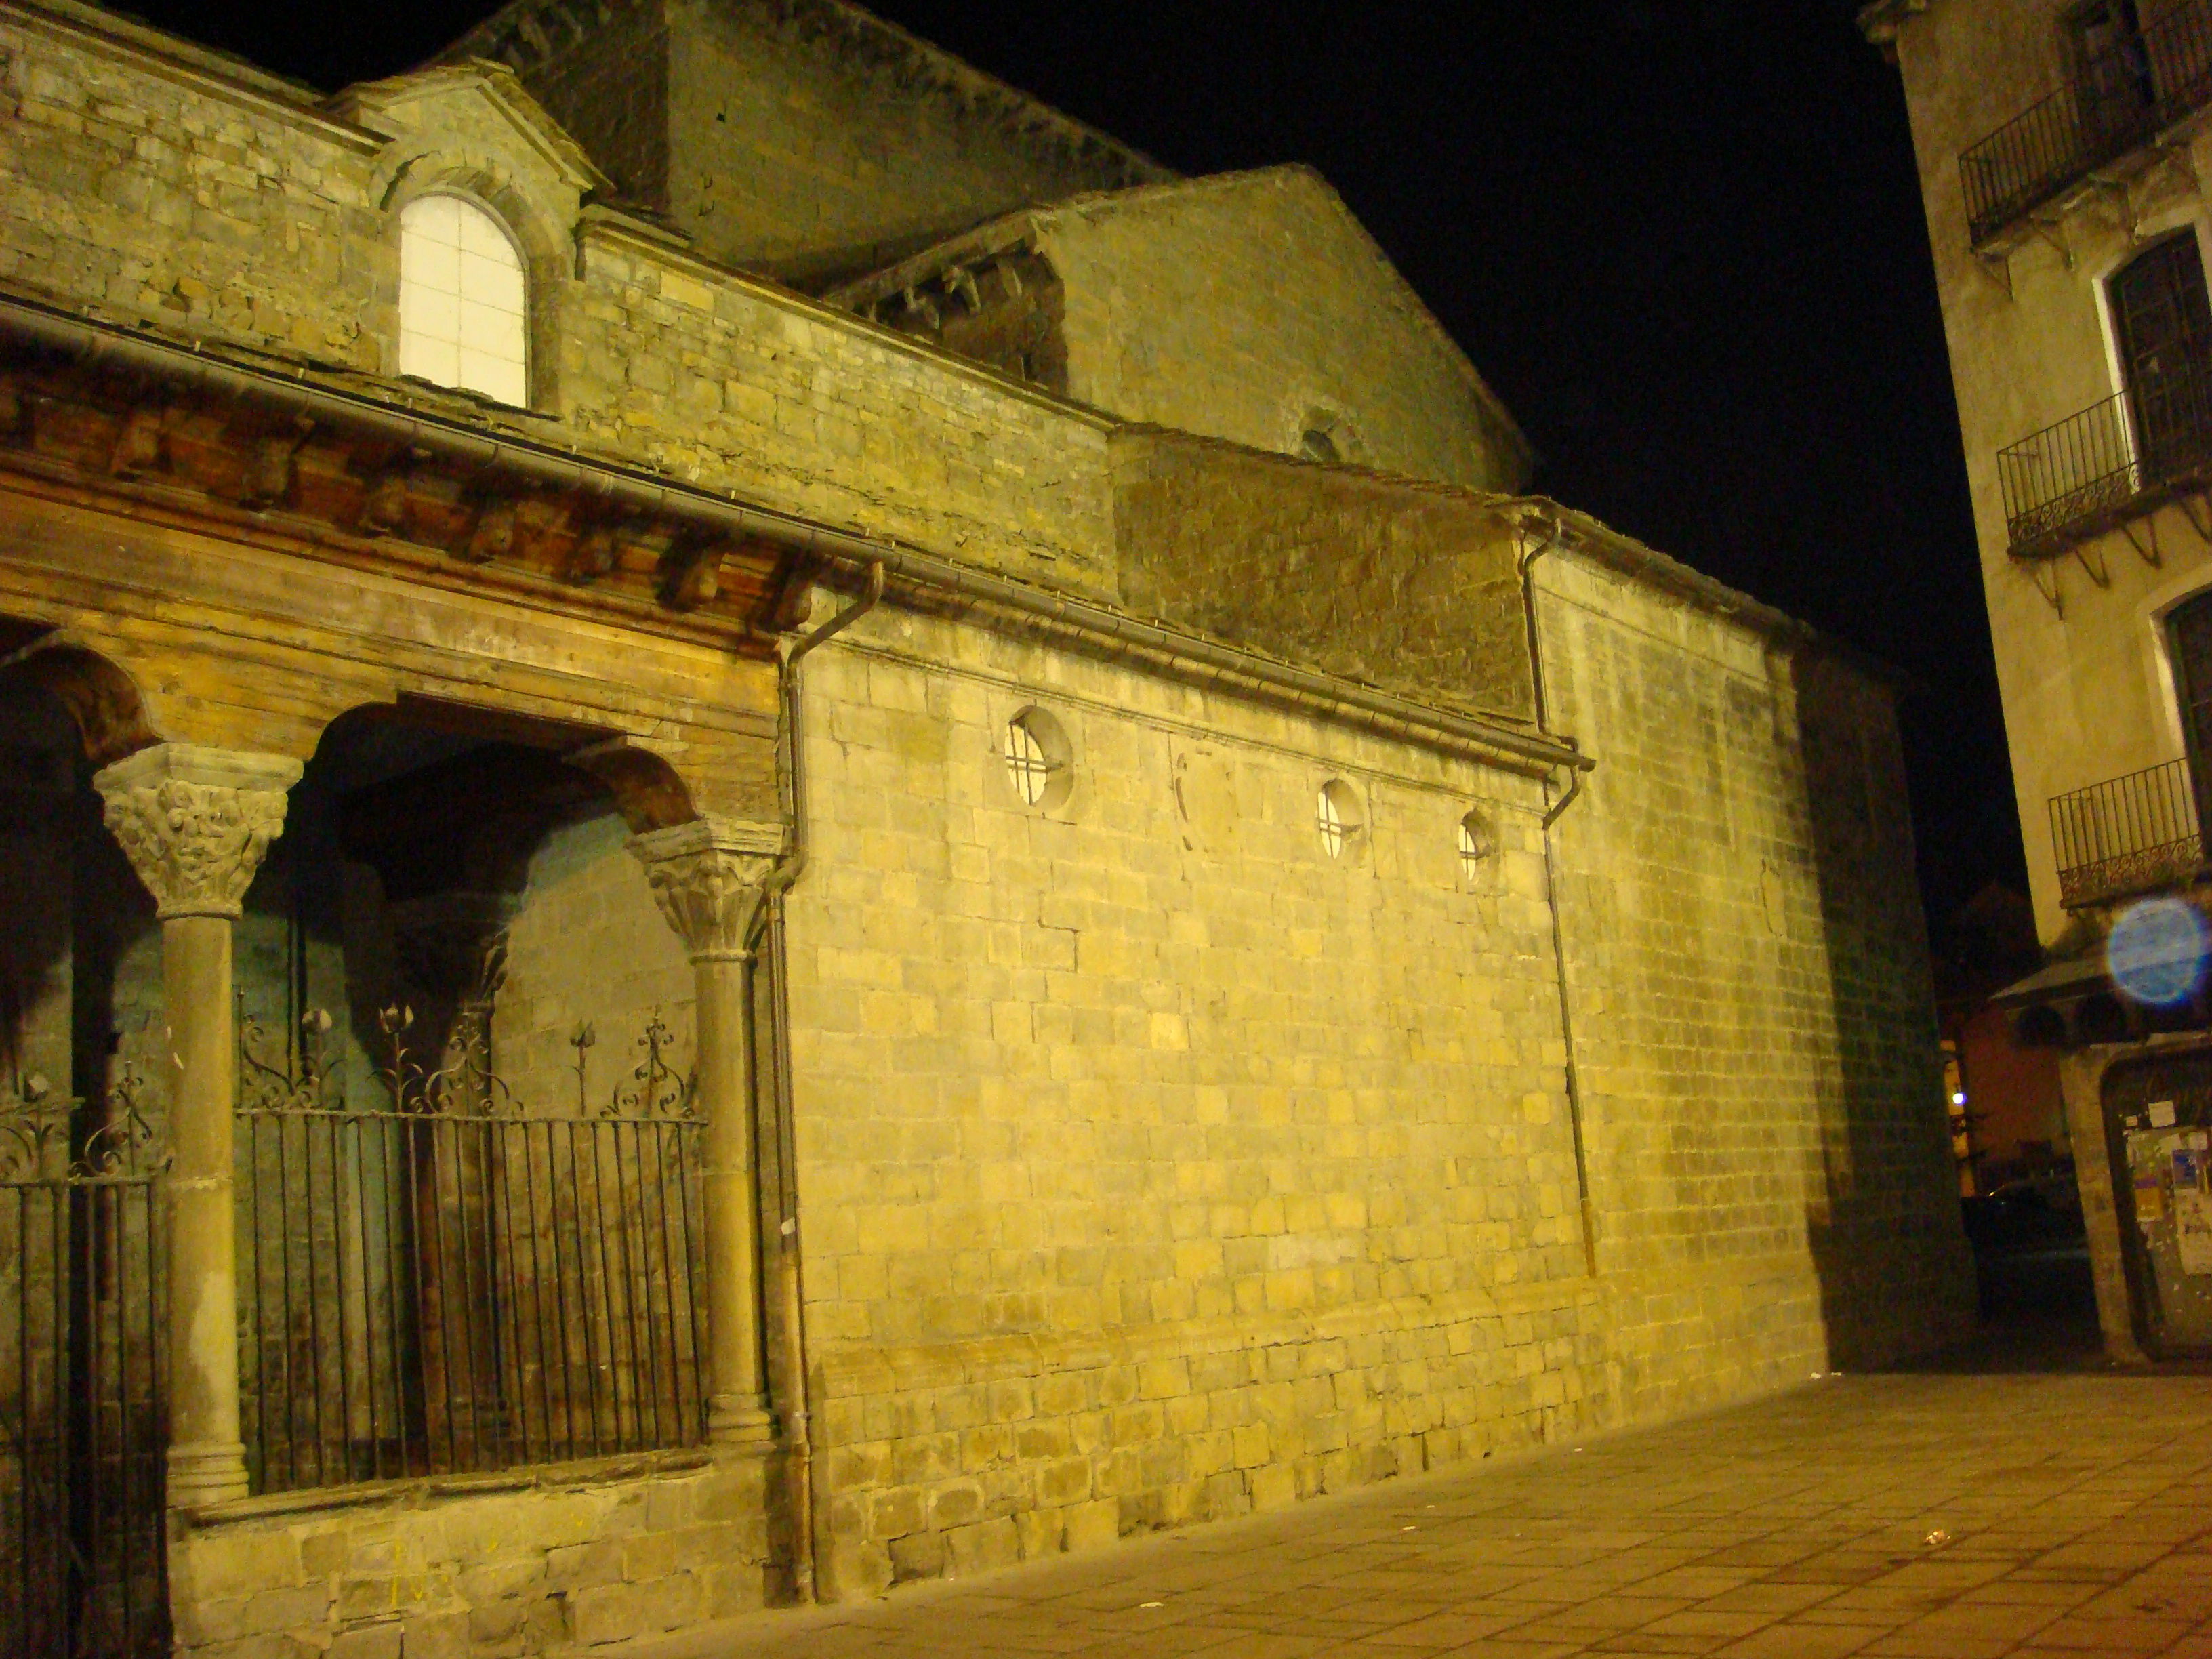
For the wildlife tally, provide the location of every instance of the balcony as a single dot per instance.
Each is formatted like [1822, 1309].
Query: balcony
[2108, 464]
[2118, 103]
[2130, 835]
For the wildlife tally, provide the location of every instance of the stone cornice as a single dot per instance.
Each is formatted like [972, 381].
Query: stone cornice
[358, 493]
[1880, 20]
[172, 58]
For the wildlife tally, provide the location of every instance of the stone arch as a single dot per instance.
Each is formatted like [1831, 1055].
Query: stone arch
[645, 787]
[71, 910]
[101, 698]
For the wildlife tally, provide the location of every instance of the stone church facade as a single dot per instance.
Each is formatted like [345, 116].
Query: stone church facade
[893, 847]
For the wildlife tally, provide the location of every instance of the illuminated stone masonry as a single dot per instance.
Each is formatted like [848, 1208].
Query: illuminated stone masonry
[845, 949]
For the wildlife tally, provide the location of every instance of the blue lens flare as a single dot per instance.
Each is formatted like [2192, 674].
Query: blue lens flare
[2156, 952]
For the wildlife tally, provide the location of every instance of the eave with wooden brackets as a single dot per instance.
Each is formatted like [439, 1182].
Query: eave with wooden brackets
[155, 429]
[991, 296]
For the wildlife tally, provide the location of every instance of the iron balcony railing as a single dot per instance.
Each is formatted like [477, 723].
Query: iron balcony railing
[2128, 835]
[2120, 101]
[2093, 470]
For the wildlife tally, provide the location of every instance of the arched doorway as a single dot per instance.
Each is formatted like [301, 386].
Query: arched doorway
[82, 1140]
[469, 1174]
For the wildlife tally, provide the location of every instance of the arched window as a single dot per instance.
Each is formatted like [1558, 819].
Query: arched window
[2163, 322]
[463, 310]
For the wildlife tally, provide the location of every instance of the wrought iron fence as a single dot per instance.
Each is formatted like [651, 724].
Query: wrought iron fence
[436, 1279]
[2092, 469]
[80, 1378]
[2080, 469]
[2121, 100]
[2129, 834]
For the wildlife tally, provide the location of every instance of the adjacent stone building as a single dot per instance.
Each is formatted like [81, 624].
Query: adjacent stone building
[2062, 149]
[776, 829]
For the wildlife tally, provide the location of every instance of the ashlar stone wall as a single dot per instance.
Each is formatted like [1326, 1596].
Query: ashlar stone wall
[1377, 579]
[1155, 1166]
[156, 187]
[535, 1561]
[802, 139]
[1748, 982]
[811, 139]
[1152, 1164]
[588, 946]
[1254, 307]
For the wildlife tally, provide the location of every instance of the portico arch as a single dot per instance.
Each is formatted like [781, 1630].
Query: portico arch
[101, 698]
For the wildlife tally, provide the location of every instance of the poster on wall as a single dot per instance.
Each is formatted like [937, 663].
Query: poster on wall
[2192, 1210]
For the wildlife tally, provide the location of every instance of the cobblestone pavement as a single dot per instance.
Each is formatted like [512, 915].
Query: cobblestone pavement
[1953, 1517]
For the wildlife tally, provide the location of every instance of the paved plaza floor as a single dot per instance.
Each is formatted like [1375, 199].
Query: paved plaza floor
[1953, 1514]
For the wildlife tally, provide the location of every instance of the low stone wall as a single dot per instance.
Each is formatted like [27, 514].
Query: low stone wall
[530, 1561]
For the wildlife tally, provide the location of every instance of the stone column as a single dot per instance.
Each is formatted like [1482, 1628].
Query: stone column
[706, 878]
[194, 823]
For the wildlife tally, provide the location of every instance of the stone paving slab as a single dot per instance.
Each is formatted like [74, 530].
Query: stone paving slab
[1925, 1516]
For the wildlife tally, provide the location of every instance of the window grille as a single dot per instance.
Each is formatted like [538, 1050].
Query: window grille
[1027, 763]
[1337, 815]
[1476, 844]
[463, 302]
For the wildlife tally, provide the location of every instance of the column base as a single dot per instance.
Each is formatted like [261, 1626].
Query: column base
[734, 1419]
[212, 1471]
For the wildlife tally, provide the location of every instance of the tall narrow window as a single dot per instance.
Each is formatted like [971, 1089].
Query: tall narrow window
[2112, 73]
[1037, 754]
[2164, 328]
[1336, 815]
[2189, 632]
[463, 308]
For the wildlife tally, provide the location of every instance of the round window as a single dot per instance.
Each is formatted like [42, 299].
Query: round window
[1337, 816]
[1036, 755]
[1478, 845]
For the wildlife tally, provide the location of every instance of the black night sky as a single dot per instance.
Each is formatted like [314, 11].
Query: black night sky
[1682, 238]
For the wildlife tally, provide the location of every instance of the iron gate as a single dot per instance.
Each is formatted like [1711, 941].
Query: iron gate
[81, 1445]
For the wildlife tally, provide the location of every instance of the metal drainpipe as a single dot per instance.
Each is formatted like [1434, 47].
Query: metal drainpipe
[1552, 890]
[790, 1300]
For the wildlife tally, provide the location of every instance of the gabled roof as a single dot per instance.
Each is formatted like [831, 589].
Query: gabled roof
[498, 85]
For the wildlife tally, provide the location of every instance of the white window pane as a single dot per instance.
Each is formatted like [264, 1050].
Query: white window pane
[428, 312]
[491, 283]
[436, 360]
[428, 265]
[495, 377]
[483, 239]
[493, 333]
[463, 300]
[434, 219]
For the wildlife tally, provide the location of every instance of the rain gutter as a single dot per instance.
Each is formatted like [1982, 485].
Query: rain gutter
[639, 489]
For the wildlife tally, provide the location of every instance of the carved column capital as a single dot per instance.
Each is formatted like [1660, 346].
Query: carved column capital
[195, 823]
[706, 877]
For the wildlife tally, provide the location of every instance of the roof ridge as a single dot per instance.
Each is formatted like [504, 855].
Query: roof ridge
[524, 31]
